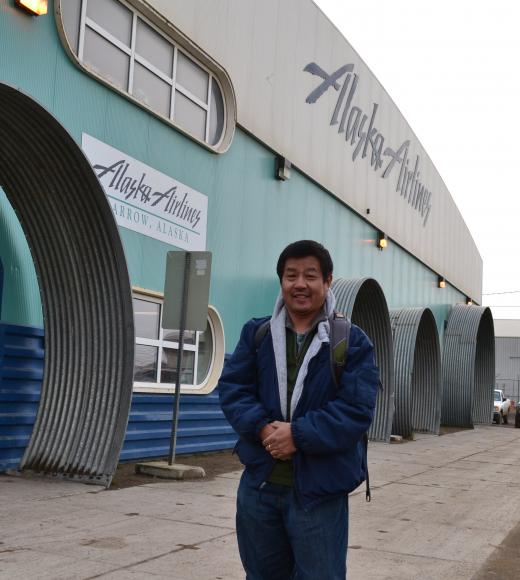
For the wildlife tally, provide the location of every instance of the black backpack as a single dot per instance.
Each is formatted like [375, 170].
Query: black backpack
[339, 339]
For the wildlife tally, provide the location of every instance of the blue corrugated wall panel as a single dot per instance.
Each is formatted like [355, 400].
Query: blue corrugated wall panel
[21, 374]
[202, 425]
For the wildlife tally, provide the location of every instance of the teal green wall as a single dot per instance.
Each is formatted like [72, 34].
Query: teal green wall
[251, 216]
[20, 298]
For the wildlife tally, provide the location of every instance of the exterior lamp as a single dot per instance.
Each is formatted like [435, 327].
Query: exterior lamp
[382, 241]
[282, 168]
[469, 301]
[441, 282]
[34, 7]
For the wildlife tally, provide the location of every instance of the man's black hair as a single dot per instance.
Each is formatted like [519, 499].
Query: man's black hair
[303, 249]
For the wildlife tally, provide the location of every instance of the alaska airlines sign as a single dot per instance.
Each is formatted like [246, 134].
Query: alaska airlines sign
[362, 134]
[147, 201]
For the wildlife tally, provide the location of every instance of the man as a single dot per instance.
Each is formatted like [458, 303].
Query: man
[300, 434]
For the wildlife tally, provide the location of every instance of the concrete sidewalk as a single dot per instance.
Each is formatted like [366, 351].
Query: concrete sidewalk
[441, 506]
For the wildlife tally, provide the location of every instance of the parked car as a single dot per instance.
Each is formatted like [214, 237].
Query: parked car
[501, 407]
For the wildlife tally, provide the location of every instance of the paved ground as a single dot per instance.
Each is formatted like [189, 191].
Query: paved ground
[443, 507]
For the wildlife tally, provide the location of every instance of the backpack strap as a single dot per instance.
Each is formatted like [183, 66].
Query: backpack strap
[368, 493]
[261, 332]
[339, 339]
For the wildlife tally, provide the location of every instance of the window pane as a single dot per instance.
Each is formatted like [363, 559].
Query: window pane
[190, 116]
[154, 48]
[169, 366]
[146, 318]
[151, 90]
[216, 119]
[173, 335]
[145, 366]
[205, 354]
[71, 11]
[113, 17]
[105, 59]
[192, 77]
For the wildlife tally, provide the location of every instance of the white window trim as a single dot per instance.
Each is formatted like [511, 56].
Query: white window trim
[180, 42]
[217, 359]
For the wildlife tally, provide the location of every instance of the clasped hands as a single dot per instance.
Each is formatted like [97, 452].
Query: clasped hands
[278, 440]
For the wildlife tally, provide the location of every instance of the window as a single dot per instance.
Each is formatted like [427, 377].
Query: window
[116, 43]
[156, 350]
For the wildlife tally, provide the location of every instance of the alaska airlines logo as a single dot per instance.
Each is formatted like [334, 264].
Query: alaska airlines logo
[362, 134]
[119, 178]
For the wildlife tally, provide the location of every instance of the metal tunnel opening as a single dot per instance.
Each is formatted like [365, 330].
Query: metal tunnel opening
[482, 409]
[364, 302]
[417, 364]
[468, 367]
[84, 289]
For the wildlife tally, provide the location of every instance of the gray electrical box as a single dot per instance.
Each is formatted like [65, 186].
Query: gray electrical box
[198, 273]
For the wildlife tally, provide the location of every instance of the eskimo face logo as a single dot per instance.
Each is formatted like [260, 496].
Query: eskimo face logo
[363, 135]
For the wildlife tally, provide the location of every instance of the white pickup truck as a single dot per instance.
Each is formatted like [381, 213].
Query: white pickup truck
[501, 407]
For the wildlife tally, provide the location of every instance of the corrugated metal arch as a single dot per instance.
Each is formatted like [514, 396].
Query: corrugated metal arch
[364, 302]
[85, 293]
[468, 367]
[417, 363]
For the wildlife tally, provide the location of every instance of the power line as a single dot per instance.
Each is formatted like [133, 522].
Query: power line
[496, 293]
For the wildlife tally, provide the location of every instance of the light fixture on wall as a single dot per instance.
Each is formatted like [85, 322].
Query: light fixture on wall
[382, 241]
[282, 168]
[441, 282]
[469, 301]
[34, 7]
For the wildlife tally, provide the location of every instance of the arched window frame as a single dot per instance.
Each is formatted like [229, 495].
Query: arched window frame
[217, 357]
[181, 43]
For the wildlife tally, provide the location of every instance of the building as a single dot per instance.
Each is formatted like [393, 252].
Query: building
[507, 349]
[236, 127]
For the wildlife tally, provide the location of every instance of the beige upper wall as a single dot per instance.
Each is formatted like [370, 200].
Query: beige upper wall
[507, 327]
[265, 47]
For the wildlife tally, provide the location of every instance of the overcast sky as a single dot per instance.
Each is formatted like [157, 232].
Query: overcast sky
[452, 68]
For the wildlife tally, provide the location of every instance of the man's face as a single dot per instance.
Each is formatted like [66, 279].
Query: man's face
[303, 287]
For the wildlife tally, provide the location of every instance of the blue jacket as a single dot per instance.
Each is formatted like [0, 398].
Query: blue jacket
[327, 425]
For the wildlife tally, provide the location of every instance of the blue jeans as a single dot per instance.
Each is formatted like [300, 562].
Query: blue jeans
[279, 540]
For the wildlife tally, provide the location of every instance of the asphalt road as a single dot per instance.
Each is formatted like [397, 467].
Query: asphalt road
[504, 563]
[443, 508]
